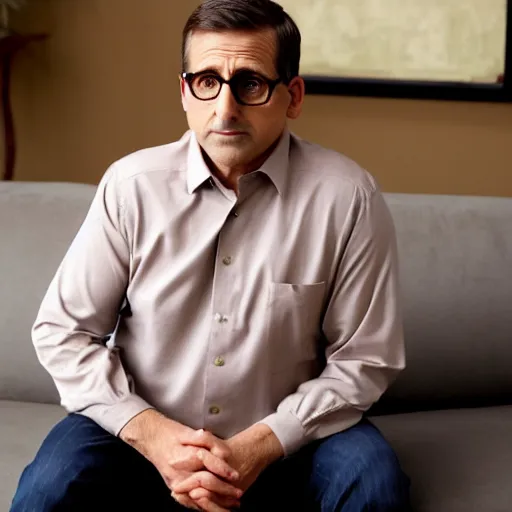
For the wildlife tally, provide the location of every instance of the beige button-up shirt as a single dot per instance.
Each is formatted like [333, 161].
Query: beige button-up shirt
[279, 306]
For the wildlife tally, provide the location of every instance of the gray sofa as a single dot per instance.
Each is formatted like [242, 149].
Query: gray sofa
[448, 416]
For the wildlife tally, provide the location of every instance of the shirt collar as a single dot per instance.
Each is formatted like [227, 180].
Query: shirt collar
[197, 170]
[275, 167]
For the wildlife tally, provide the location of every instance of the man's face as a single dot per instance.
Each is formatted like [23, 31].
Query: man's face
[235, 135]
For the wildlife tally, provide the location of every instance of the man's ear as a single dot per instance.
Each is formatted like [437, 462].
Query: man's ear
[183, 88]
[297, 90]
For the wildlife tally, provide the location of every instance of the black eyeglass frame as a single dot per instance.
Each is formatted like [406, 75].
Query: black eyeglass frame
[272, 84]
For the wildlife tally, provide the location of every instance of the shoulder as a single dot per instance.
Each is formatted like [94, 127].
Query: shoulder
[165, 159]
[324, 167]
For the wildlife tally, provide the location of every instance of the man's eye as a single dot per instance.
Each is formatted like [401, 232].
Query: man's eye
[208, 82]
[252, 85]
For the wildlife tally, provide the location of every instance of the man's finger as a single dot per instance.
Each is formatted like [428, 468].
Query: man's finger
[185, 500]
[202, 504]
[210, 506]
[209, 482]
[217, 466]
[223, 501]
[203, 439]
[199, 458]
[190, 464]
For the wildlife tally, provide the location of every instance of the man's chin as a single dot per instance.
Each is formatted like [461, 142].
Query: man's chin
[227, 157]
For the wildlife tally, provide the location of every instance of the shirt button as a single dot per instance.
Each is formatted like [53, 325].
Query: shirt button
[220, 318]
[227, 260]
[214, 410]
[219, 361]
[236, 214]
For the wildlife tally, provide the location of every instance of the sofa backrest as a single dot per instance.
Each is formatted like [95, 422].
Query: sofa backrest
[456, 276]
[37, 223]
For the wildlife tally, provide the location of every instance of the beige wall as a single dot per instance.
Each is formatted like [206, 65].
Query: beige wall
[106, 84]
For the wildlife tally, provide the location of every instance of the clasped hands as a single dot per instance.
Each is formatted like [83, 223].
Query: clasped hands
[206, 473]
[202, 471]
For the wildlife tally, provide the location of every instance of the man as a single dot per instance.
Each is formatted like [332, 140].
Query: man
[249, 279]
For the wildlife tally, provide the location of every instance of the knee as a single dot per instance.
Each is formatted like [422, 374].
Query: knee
[375, 482]
[363, 473]
[44, 484]
[382, 483]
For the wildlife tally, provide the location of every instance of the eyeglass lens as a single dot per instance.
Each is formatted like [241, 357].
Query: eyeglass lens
[247, 87]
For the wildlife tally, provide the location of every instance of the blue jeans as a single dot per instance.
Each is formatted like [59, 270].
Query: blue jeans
[81, 467]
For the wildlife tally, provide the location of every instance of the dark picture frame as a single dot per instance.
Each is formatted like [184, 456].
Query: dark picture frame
[419, 89]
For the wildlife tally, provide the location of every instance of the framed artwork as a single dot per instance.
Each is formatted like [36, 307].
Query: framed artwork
[431, 49]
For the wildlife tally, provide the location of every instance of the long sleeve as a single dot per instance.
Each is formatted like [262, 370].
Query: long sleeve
[363, 329]
[81, 307]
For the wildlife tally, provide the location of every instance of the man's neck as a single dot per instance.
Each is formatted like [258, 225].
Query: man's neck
[229, 176]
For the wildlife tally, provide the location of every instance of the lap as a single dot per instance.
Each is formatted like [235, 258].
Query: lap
[80, 466]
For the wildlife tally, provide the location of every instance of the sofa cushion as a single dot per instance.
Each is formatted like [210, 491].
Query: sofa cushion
[456, 275]
[23, 426]
[458, 460]
[37, 223]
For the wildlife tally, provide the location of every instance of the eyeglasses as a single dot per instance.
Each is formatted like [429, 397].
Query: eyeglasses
[247, 87]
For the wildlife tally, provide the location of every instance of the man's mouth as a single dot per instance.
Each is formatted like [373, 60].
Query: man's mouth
[228, 133]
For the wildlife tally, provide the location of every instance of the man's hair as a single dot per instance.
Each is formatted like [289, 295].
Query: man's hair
[224, 15]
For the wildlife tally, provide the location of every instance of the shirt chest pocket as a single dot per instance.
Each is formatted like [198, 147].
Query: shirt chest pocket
[294, 318]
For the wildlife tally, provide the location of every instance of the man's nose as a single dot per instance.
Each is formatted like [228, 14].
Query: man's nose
[226, 107]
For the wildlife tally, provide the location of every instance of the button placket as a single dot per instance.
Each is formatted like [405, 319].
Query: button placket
[223, 325]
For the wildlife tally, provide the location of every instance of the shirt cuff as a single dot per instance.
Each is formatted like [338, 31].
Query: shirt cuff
[288, 429]
[114, 417]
